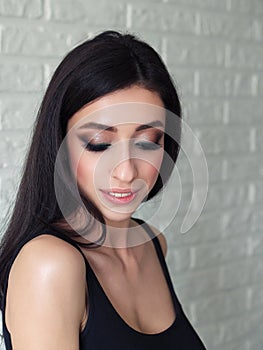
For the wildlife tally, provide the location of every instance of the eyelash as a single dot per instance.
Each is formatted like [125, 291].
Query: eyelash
[147, 146]
[100, 147]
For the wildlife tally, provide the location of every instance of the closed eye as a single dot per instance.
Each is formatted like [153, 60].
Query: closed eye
[148, 145]
[100, 147]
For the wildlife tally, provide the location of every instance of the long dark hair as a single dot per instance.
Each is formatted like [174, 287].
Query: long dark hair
[108, 62]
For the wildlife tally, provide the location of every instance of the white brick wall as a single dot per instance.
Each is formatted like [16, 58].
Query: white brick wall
[214, 51]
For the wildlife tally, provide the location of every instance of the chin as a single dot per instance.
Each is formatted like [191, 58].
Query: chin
[115, 217]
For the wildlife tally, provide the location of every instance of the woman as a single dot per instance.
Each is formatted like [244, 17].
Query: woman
[85, 274]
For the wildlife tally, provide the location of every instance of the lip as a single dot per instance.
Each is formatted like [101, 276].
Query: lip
[119, 200]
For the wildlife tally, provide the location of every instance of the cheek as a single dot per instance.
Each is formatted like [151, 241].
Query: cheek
[150, 169]
[154, 169]
[85, 170]
[92, 173]
[149, 172]
[81, 165]
[155, 161]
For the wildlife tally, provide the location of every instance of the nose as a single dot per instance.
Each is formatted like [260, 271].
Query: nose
[125, 171]
[126, 168]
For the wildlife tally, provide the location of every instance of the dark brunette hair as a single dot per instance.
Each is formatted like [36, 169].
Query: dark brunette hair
[108, 62]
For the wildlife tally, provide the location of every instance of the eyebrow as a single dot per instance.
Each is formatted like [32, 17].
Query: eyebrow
[98, 126]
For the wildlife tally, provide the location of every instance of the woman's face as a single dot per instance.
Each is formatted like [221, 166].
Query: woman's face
[115, 145]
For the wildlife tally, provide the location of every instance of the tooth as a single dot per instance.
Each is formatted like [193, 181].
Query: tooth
[119, 195]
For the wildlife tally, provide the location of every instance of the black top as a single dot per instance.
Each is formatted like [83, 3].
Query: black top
[106, 330]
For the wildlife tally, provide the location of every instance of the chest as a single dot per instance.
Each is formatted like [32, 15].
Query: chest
[140, 295]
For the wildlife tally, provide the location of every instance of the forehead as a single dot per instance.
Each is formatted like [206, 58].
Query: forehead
[131, 106]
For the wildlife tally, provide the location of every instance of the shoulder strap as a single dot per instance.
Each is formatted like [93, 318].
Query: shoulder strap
[161, 257]
[154, 238]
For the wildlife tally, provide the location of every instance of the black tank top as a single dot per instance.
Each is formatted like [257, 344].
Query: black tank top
[106, 330]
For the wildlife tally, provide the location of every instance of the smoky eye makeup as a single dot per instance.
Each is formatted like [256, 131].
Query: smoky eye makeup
[149, 141]
[152, 137]
[94, 144]
[96, 147]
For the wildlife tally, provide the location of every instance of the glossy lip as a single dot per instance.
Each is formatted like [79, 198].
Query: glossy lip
[119, 200]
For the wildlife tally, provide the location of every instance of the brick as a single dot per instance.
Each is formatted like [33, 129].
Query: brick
[242, 273]
[256, 242]
[201, 4]
[184, 169]
[243, 167]
[242, 6]
[21, 8]
[246, 7]
[18, 112]
[184, 81]
[236, 220]
[223, 83]
[258, 6]
[194, 52]
[236, 195]
[257, 219]
[236, 327]
[236, 274]
[154, 210]
[12, 147]
[49, 70]
[228, 26]
[215, 168]
[10, 178]
[208, 112]
[194, 236]
[198, 196]
[217, 171]
[257, 271]
[224, 139]
[6, 206]
[256, 340]
[214, 195]
[20, 77]
[211, 334]
[257, 297]
[103, 13]
[209, 254]
[190, 140]
[197, 284]
[218, 307]
[201, 232]
[260, 85]
[241, 56]
[241, 344]
[258, 192]
[179, 258]
[157, 209]
[25, 41]
[163, 17]
[193, 212]
[258, 139]
[246, 111]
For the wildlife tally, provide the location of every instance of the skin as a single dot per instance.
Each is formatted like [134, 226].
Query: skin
[124, 164]
[47, 282]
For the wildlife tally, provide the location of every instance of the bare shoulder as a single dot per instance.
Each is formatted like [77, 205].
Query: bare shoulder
[49, 254]
[161, 238]
[46, 288]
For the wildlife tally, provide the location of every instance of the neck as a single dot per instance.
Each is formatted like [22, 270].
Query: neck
[120, 234]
